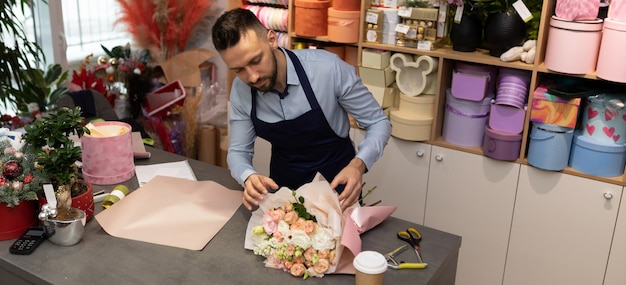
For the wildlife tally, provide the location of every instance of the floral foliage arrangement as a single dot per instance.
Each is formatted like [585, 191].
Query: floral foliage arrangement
[21, 179]
[163, 27]
[291, 239]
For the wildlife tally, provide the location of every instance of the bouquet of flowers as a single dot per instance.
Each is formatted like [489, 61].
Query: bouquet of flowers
[304, 232]
[292, 239]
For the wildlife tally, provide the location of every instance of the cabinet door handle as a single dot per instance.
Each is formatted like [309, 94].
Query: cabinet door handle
[419, 153]
[439, 157]
[608, 195]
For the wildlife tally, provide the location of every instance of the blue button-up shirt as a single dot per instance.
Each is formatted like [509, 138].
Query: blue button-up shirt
[339, 92]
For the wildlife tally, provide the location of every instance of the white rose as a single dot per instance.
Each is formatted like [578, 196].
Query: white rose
[283, 228]
[323, 240]
[301, 239]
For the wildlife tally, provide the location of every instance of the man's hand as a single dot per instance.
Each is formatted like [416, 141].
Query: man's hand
[351, 176]
[255, 189]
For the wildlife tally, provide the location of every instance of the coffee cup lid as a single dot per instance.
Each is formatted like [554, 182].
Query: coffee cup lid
[370, 262]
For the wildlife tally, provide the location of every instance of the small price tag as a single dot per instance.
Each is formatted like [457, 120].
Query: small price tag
[424, 45]
[402, 28]
[458, 14]
[404, 12]
[522, 10]
[371, 18]
[48, 191]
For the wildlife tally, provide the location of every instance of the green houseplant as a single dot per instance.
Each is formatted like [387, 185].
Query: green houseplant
[17, 52]
[57, 155]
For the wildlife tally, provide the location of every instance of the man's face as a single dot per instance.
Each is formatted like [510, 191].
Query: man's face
[253, 61]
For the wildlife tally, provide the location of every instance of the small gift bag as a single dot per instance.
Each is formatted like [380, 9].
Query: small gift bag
[577, 10]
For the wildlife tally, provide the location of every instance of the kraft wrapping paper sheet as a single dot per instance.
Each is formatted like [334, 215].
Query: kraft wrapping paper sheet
[173, 212]
[322, 202]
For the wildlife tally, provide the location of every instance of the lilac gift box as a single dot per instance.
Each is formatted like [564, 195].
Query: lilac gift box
[464, 121]
[506, 118]
[502, 145]
[473, 82]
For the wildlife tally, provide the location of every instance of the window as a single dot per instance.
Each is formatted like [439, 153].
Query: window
[89, 24]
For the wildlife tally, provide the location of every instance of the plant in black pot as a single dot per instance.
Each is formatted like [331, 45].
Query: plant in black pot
[504, 27]
[466, 31]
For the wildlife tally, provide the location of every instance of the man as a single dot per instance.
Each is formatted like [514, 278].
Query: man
[299, 101]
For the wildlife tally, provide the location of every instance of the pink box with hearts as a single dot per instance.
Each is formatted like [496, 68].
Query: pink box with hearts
[604, 118]
[554, 110]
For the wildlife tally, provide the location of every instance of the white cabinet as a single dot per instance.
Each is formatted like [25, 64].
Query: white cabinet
[473, 196]
[615, 273]
[562, 229]
[401, 178]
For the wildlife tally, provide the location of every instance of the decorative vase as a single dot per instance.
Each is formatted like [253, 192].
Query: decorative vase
[65, 232]
[16, 220]
[83, 201]
[503, 31]
[467, 35]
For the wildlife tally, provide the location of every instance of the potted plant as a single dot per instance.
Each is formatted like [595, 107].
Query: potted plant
[20, 181]
[57, 156]
[17, 52]
[42, 87]
[503, 27]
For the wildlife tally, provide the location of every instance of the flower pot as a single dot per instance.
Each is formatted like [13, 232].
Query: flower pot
[15, 220]
[504, 31]
[66, 232]
[83, 201]
[467, 35]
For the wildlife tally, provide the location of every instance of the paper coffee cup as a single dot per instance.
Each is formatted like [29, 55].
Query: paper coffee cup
[370, 268]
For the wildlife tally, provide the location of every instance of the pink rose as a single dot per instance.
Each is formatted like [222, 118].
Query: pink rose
[290, 217]
[309, 253]
[288, 207]
[297, 269]
[321, 266]
[276, 214]
[309, 227]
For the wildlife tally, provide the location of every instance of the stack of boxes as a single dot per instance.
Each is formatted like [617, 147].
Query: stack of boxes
[503, 134]
[599, 147]
[416, 78]
[376, 74]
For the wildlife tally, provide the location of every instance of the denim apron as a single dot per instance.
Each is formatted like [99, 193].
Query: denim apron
[303, 146]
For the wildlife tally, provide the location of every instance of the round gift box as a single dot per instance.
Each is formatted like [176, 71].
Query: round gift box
[464, 121]
[422, 105]
[109, 159]
[343, 26]
[549, 146]
[597, 158]
[410, 127]
[501, 145]
[311, 18]
[612, 57]
[563, 35]
[602, 120]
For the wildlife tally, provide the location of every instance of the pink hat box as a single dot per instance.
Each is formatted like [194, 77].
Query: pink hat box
[501, 145]
[612, 56]
[506, 118]
[464, 121]
[585, 36]
[108, 160]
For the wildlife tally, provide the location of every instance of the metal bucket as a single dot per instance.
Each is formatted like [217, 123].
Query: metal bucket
[66, 232]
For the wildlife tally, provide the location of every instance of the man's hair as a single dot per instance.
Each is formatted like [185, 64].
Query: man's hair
[230, 26]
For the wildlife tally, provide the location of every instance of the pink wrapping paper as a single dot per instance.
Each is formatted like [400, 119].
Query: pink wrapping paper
[321, 201]
[577, 10]
[173, 212]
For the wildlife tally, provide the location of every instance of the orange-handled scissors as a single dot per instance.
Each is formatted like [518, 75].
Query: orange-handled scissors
[412, 237]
